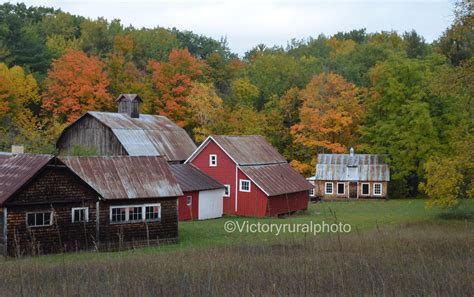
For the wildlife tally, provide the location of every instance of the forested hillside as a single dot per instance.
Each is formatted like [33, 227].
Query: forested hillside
[385, 92]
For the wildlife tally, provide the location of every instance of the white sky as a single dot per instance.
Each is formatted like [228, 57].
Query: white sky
[247, 23]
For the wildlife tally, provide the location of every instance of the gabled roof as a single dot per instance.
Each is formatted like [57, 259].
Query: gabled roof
[147, 135]
[126, 177]
[129, 97]
[276, 179]
[191, 178]
[244, 150]
[366, 167]
[17, 170]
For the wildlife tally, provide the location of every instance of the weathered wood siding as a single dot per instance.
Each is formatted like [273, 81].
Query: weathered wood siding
[90, 133]
[116, 236]
[55, 189]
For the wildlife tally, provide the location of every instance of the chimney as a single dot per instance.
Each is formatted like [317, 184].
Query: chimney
[351, 151]
[129, 104]
[18, 149]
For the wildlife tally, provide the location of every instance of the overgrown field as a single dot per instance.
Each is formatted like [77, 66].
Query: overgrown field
[397, 248]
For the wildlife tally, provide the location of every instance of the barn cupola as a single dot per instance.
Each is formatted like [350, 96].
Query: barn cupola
[351, 151]
[129, 104]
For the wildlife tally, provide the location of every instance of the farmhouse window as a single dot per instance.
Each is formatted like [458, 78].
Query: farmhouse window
[213, 160]
[80, 214]
[341, 189]
[227, 191]
[311, 192]
[189, 200]
[39, 219]
[365, 189]
[135, 213]
[378, 189]
[328, 188]
[244, 185]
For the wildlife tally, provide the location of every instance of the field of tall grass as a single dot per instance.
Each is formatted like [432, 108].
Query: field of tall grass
[428, 256]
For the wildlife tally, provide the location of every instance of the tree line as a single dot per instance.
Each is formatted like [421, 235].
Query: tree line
[383, 92]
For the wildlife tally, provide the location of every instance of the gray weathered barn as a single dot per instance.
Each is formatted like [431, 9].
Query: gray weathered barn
[350, 176]
[126, 133]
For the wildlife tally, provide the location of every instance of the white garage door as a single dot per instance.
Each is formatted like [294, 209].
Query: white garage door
[210, 204]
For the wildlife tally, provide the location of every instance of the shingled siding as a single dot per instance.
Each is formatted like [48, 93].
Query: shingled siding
[55, 189]
[125, 235]
[92, 134]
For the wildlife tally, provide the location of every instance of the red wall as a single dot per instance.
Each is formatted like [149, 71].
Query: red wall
[188, 212]
[253, 203]
[287, 203]
[224, 172]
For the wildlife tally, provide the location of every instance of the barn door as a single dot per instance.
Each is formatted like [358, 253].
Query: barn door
[352, 190]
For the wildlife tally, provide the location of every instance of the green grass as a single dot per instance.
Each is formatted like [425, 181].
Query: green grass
[361, 215]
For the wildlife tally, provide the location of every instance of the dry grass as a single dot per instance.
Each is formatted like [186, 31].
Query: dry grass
[421, 259]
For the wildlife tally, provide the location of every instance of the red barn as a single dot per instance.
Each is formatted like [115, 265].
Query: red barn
[202, 195]
[258, 180]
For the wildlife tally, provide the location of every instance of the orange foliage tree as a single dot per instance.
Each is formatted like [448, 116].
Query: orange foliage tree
[75, 84]
[329, 115]
[173, 81]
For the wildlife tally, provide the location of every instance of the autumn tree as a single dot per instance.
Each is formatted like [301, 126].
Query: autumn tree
[76, 84]
[330, 112]
[173, 81]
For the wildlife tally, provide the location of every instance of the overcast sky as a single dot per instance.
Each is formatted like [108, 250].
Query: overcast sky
[247, 23]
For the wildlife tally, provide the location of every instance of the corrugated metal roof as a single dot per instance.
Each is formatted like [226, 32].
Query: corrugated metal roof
[249, 150]
[148, 135]
[191, 178]
[364, 167]
[17, 170]
[276, 179]
[123, 177]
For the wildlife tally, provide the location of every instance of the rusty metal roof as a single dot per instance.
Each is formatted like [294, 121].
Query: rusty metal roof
[346, 167]
[191, 178]
[17, 170]
[276, 179]
[126, 177]
[248, 150]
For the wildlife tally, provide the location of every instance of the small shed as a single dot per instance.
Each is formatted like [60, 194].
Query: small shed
[202, 198]
[258, 180]
[350, 176]
[126, 133]
[51, 205]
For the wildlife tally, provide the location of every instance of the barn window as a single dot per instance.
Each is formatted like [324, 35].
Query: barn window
[341, 189]
[213, 160]
[189, 200]
[378, 189]
[328, 188]
[365, 189]
[80, 214]
[135, 213]
[244, 185]
[152, 212]
[227, 191]
[39, 219]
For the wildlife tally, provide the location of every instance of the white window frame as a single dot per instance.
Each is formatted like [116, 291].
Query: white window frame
[326, 188]
[189, 200]
[312, 192]
[212, 162]
[228, 191]
[86, 214]
[378, 184]
[51, 218]
[127, 213]
[344, 189]
[362, 189]
[241, 183]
